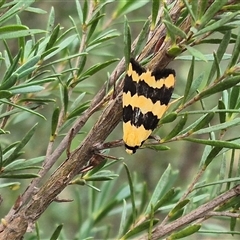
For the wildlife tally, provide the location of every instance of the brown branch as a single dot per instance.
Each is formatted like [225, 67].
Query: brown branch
[223, 214]
[201, 212]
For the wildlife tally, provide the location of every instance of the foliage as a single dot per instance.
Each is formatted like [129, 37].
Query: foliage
[53, 69]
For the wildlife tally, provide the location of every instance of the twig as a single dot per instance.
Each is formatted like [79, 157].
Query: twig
[223, 214]
[200, 212]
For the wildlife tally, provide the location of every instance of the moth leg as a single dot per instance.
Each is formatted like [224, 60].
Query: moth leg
[155, 137]
[97, 159]
[93, 162]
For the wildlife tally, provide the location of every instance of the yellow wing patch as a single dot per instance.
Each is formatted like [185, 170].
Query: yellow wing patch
[146, 95]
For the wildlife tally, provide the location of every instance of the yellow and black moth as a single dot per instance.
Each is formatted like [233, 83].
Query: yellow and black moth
[146, 95]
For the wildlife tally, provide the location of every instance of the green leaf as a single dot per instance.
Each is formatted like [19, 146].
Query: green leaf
[235, 52]
[10, 147]
[234, 122]
[63, 60]
[36, 10]
[233, 222]
[38, 100]
[123, 219]
[150, 229]
[125, 7]
[34, 83]
[178, 128]
[202, 6]
[213, 153]
[3, 132]
[55, 118]
[168, 22]
[225, 19]
[105, 36]
[215, 143]
[57, 232]
[12, 28]
[234, 97]
[219, 55]
[27, 72]
[79, 11]
[12, 65]
[204, 121]
[141, 37]
[53, 38]
[229, 204]
[20, 107]
[177, 215]
[174, 30]
[139, 228]
[222, 115]
[178, 207]
[166, 198]
[192, 8]
[127, 41]
[194, 124]
[65, 98]
[11, 185]
[174, 50]
[103, 175]
[48, 52]
[227, 83]
[20, 146]
[101, 213]
[30, 64]
[217, 65]
[211, 11]
[77, 101]
[231, 7]
[195, 53]
[18, 7]
[159, 147]
[185, 232]
[30, 89]
[1, 158]
[2, 2]
[168, 118]
[8, 83]
[20, 33]
[62, 45]
[97, 67]
[81, 64]
[219, 182]
[79, 110]
[155, 9]
[22, 164]
[93, 24]
[51, 20]
[159, 189]
[143, 198]
[132, 193]
[20, 175]
[195, 85]
[85, 11]
[189, 81]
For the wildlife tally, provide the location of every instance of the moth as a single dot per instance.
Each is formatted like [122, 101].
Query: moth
[146, 95]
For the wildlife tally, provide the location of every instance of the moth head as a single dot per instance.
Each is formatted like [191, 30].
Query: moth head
[130, 150]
